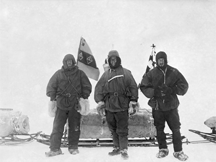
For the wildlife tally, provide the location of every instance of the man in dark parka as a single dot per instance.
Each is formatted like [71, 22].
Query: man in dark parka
[67, 86]
[162, 85]
[116, 90]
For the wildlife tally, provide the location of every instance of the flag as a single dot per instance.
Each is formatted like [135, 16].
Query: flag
[86, 61]
[151, 62]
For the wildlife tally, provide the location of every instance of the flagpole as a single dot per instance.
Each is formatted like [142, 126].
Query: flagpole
[151, 58]
[79, 50]
[153, 53]
[153, 49]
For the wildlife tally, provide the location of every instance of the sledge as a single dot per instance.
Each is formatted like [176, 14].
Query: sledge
[14, 127]
[209, 137]
[16, 139]
[95, 132]
[13, 122]
[106, 142]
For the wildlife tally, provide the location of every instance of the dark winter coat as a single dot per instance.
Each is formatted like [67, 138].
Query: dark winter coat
[67, 85]
[116, 87]
[156, 78]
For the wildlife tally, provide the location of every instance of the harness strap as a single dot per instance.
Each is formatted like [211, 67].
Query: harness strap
[69, 94]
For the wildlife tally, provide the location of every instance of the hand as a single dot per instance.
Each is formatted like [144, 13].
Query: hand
[101, 109]
[158, 92]
[132, 104]
[101, 112]
[133, 108]
[166, 90]
[100, 104]
[52, 108]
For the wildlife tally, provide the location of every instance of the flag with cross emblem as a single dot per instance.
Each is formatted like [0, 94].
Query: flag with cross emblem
[151, 62]
[86, 61]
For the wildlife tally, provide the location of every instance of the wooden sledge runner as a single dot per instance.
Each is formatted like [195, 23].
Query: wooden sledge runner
[209, 137]
[16, 139]
[106, 142]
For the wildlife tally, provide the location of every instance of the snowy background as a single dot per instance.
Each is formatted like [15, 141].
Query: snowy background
[35, 35]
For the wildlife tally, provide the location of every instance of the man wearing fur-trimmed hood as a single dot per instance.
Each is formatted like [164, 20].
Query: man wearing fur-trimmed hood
[67, 87]
[117, 93]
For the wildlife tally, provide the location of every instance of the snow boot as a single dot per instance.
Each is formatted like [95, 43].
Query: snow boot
[180, 155]
[115, 151]
[73, 151]
[162, 153]
[53, 153]
[124, 154]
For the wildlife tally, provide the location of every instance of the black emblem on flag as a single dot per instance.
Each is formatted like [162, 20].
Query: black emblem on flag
[83, 43]
[89, 59]
[80, 56]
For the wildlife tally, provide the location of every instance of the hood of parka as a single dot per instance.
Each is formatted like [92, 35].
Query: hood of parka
[116, 54]
[66, 58]
[163, 55]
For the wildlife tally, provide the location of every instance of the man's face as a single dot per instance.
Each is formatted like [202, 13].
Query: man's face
[69, 63]
[113, 60]
[161, 62]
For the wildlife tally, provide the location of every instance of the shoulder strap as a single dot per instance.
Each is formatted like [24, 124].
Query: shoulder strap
[70, 84]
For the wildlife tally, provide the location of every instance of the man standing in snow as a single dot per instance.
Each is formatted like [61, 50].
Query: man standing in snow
[66, 87]
[116, 93]
[162, 85]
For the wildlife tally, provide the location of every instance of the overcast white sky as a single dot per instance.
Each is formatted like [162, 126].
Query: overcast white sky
[35, 35]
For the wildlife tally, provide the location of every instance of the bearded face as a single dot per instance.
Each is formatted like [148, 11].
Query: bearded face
[161, 62]
[69, 63]
[113, 61]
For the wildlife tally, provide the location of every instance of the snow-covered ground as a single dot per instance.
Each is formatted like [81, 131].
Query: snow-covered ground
[34, 152]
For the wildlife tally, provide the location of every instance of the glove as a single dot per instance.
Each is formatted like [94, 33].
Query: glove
[166, 90]
[84, 106]
[101, 112]
[133, 108]
[157, 92]
[100, 104]
[101, 109]
[52, 107]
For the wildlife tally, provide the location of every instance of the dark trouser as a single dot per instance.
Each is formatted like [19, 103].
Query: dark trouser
[58, 128]
[118, 125]
[172, 119]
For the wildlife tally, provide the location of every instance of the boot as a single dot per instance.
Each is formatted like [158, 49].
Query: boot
[162, 153]
[180, 155]
[53, 153]
[124, 154]
[115, 151]
[73, 151]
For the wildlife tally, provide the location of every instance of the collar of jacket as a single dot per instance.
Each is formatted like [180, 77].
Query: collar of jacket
[70, 71]
[111, 70]
[163, 70]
